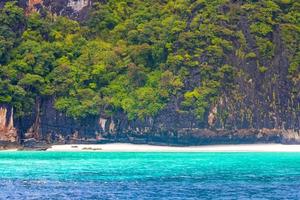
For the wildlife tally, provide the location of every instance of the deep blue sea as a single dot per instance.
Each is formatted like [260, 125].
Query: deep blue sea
[69, 175]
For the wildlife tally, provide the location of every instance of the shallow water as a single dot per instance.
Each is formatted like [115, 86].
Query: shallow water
[80, 175]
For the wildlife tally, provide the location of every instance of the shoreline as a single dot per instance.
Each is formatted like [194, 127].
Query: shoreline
[127, 147]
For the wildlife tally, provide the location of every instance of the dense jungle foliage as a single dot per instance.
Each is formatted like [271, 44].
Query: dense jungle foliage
[136, 56]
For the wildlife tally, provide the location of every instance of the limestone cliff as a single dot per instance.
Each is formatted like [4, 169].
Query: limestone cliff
[7, 130]
[167, 128]
[75, 9]
[262, 107]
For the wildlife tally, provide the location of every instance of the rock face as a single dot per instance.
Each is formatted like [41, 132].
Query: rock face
[8, 132]
[75, 9]
[47, 124]
[78, 5]
[31, 4]
[167, 128]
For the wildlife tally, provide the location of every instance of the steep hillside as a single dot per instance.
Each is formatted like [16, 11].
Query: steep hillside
[175, 71]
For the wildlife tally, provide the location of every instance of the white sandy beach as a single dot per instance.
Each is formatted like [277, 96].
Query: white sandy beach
[123, 147]
[8, 150]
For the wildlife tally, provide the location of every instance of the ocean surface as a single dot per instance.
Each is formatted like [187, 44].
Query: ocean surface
[80, 175]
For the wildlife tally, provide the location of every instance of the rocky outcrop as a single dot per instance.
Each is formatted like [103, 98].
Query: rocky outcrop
[168, 128]
[78, 5]
[32, 5]
[75, 9]
[8, 132]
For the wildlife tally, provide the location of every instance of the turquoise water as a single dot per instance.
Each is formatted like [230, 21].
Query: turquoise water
[57, 175]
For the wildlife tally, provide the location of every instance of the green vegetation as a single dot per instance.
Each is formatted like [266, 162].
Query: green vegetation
[263, 69]
[136, 56]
